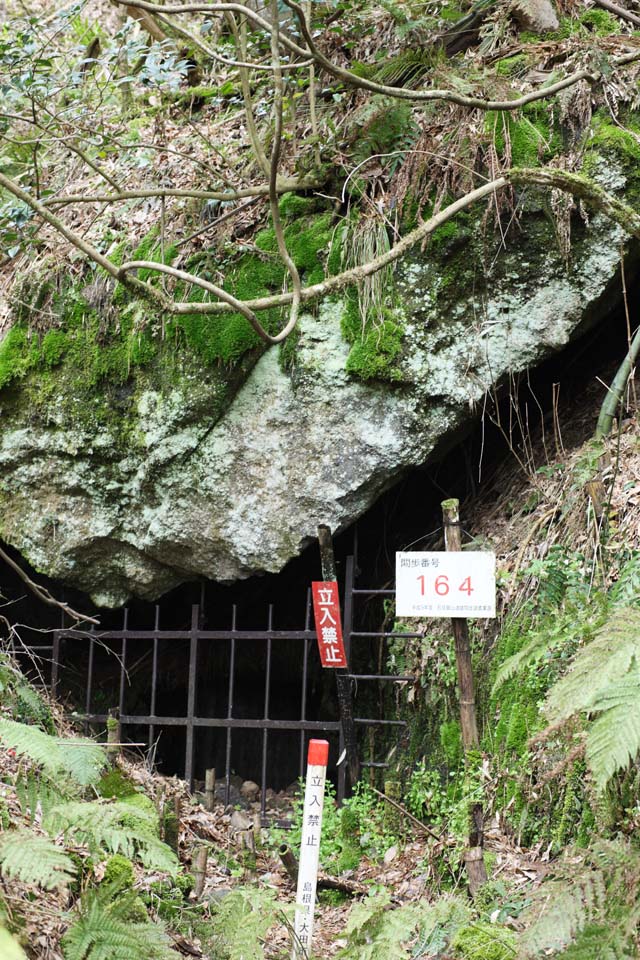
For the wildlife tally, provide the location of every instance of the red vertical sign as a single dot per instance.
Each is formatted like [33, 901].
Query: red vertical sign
[326, 612]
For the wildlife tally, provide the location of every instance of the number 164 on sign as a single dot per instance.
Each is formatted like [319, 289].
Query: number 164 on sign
[456, 584]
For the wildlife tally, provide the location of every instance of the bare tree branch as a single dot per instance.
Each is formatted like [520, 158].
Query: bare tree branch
[42, 593]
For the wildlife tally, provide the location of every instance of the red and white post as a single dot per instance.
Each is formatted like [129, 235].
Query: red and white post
[317, 759]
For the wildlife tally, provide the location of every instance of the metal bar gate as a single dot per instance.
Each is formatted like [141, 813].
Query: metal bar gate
[125, 643]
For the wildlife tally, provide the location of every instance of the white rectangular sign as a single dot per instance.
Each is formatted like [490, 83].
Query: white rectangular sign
[456, 584]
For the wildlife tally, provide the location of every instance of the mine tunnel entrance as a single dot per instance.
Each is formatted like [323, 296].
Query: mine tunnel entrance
[559, 401]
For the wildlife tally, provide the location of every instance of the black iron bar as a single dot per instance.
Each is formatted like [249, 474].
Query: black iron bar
[202, 634]
[225, 722]
[87, 700]
[305, 668]
[123, 662]
[55, 662]
[232, 667]
[154, 673]
[191, 695]
[265, 731]
[379, 676]
[374, 593]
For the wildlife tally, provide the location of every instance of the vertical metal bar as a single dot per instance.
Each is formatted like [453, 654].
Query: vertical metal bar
[265, 732]
[87, 701]
[55, 662]
[232, 667]
[303, 698]
[123, 663]
[154, 674]
[346, 634]
[191, 695]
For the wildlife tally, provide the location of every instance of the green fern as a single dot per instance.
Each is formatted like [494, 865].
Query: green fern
[242, 921]
[10, 949]
[597, 942]
[82, 760]
[613, 738]
[36, 796]
[561, 911]
[103, 931]
[604, 684]
[376, 932]
[114, 828]
[34, 859]
[598, 666]
[593, 889]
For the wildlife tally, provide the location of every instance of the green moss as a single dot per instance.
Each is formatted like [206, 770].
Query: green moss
[529, 132]
[115, 785]
[600, 22]
[54, 345]
[373, 356]
[512, 66]
[119, 871]
[485, 941]
[292, 205]
[451, 741]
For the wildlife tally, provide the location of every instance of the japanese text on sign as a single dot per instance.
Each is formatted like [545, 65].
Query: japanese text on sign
[326, 611]
[456, 584]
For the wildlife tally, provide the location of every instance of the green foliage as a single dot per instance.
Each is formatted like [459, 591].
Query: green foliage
[385, 126]
[242, 920]
[116, 785]
[485, 941]
[115, 828]
[104, 931]
[81, 760]
[37, 795]
[604, 680]
[119, 872]
[372, 357]
[33, 859]
[599, 887]
[10, 949]
[375, 932]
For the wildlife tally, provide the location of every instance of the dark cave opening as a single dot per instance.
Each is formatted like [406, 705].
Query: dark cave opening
[560, 394]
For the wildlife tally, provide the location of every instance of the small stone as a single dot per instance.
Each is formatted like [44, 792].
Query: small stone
[390, 855]
[537, 16]
[250, 790]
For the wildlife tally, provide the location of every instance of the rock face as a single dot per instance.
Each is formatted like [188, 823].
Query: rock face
[243, 493]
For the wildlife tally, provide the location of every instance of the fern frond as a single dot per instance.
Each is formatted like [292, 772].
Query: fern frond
[377, 933]
[561, 911]
[80, 759]
[114, 828]
[533, 650]
[242, 921]
[598, 666]
[32, 859]
[597, 942]
[36, 794]
[101, 934]
[10, 949]
[613, 738]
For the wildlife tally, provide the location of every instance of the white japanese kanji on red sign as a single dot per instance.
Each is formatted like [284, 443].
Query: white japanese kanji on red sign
[326, 611]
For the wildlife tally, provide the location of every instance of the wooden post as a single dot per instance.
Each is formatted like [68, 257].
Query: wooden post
[113, 734]
[289, 861]
[343, 683]
[476, 870]
[199, 869]
[210, 789]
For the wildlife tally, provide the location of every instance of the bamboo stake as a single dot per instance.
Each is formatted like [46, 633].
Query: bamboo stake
[474, 861]
[209, 789]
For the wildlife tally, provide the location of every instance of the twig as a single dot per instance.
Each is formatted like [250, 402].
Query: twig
[403, 810]
[43, 594]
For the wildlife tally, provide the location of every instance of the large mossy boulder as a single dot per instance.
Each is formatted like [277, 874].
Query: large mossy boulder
[136, 460]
